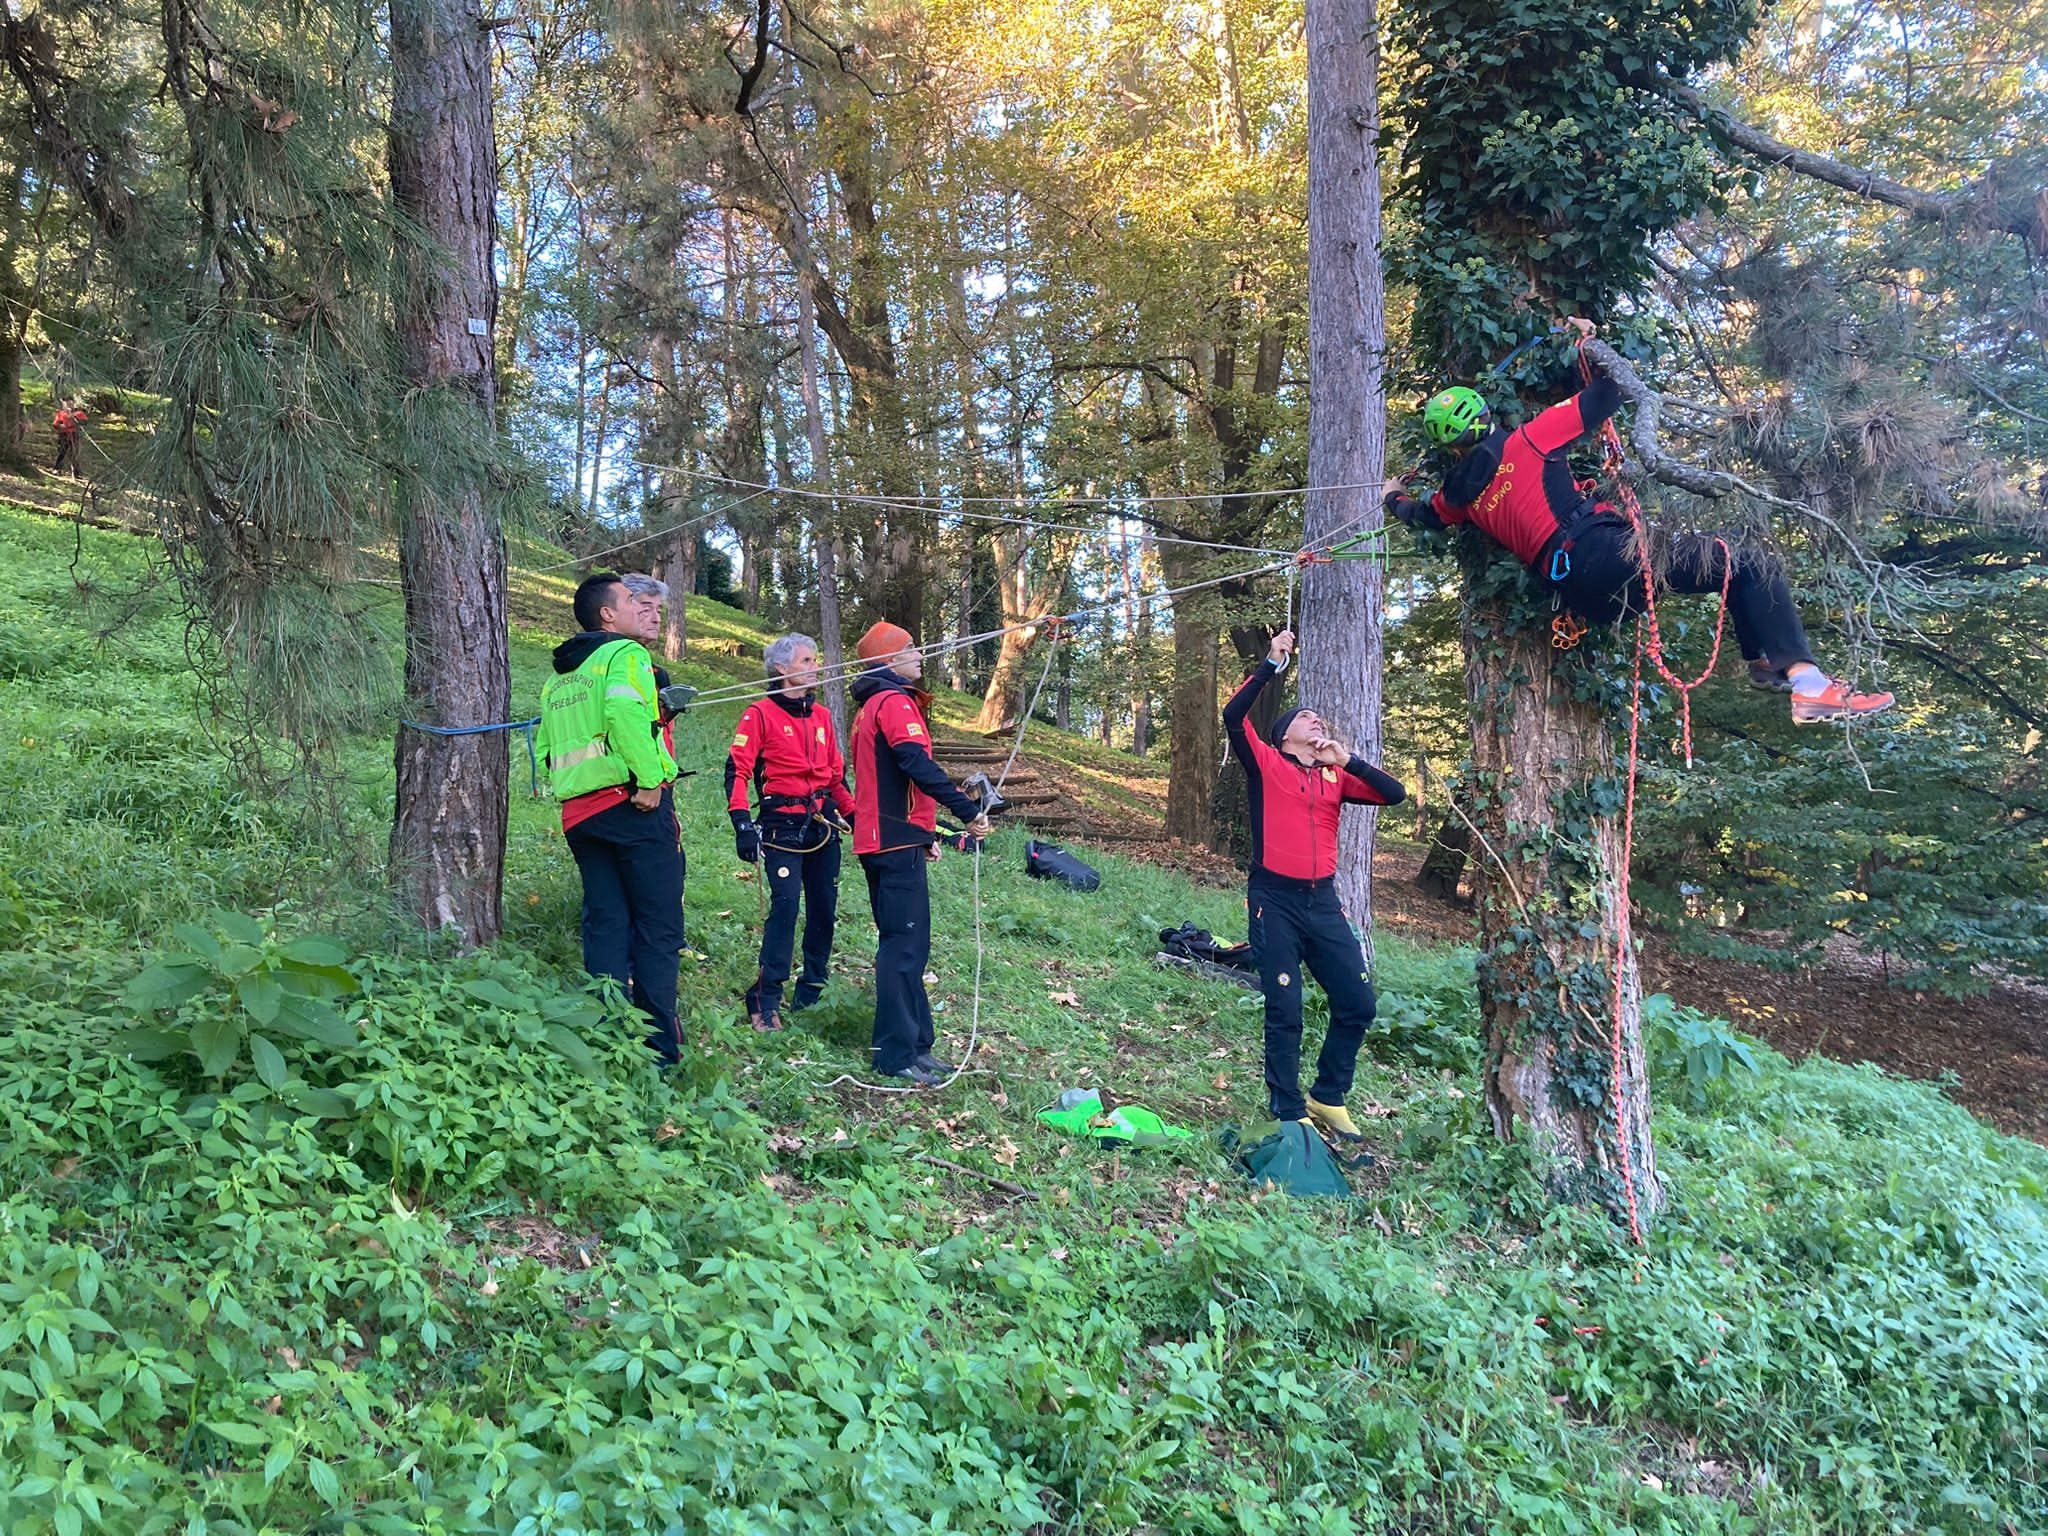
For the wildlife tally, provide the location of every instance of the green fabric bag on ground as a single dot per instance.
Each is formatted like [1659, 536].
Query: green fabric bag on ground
[1129, 1124]
[1293, 1160]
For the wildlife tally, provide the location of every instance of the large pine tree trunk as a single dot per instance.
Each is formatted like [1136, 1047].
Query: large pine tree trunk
[1342, 602]
[448, 833]
[14, 319]
[1544, 801]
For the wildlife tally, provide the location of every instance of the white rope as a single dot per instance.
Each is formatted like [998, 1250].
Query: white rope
[974, 1020]
[932, 504]
[645, 538]
[1030, 709]
[730, 692]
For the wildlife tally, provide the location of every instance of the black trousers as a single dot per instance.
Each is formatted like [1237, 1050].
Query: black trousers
[1605, 584]
[1297, 924]
[800, 871]
[67, 453]
[633, 911]
[901, 901]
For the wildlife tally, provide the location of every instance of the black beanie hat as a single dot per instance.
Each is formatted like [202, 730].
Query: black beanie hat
[1277, 732]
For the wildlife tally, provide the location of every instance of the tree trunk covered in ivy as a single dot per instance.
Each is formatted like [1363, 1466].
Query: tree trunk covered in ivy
[448, 834]
[1600, 156]
[1546, 798]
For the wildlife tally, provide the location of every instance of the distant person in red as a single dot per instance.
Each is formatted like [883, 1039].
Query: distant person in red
[1517, 488]
[1299, 780]
[785, 750]
[897, 792]
[69, 421]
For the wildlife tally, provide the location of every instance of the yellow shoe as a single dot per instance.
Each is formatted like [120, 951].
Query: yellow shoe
[1335, 1119]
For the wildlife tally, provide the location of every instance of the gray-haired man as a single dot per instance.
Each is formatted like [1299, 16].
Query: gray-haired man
[786, 750]
[647, 595]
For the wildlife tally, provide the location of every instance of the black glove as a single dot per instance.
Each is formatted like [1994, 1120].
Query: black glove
[746, 837]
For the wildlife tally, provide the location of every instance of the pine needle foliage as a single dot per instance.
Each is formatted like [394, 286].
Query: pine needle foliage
[231, 156]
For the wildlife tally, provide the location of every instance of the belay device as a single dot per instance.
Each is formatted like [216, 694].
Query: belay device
[1049, 861]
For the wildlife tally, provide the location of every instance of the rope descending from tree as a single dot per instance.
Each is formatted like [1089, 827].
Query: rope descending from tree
[1650, 640]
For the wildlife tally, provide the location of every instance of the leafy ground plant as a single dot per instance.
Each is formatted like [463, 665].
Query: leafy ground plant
[476, 1267]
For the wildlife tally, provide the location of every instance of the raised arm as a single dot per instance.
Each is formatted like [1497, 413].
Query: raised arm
[1249, 749]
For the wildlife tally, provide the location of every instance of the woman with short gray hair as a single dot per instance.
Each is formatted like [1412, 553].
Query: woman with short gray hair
[785, 750]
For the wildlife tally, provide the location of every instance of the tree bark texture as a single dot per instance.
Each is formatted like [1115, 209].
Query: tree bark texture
[448, 831]
[831, 631]
[1197, 726]
[1342, 602]
[1545, 802]
[1443, 867]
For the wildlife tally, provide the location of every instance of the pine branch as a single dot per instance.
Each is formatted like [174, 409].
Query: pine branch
[2025, 216]
[1651, 457]
[31, 57]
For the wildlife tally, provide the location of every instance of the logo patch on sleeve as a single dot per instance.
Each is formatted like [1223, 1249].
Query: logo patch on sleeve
[739, 738]
[915, 730]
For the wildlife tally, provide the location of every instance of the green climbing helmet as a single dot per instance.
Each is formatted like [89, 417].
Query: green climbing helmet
[1455, 417]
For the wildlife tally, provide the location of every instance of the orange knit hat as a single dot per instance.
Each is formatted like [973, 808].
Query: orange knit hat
[883, 640]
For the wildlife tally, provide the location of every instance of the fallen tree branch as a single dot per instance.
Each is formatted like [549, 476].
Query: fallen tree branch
[975, 1173]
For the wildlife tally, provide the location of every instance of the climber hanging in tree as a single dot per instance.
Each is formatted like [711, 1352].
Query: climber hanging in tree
[1517, 488]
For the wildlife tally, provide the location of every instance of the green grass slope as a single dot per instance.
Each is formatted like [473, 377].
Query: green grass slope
[443, 1254]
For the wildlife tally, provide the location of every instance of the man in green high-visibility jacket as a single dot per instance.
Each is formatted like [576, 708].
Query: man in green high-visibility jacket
[608, 763]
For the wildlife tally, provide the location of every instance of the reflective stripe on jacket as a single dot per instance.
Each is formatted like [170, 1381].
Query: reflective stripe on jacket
[598, 722]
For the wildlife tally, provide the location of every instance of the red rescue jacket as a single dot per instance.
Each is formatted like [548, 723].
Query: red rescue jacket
[785, 750]
[897, 788]
[1517, 487]
[1295, 810]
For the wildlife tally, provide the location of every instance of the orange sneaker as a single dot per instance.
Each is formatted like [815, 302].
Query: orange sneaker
[1836, 702]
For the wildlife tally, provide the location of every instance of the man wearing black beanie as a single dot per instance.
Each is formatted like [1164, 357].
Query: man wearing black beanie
[1299, 780]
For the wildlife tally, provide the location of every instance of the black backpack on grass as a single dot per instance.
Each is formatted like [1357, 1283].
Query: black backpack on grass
[1049, 861]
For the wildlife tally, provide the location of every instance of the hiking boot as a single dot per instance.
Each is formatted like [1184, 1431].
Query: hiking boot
[767, 1023]
[918, 1075]
[1335, 1119]
[1836, 702]
[804, 1000]
[932, 1063]
[1769, 678]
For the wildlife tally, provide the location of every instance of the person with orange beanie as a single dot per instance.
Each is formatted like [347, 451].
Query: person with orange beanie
[898, 789]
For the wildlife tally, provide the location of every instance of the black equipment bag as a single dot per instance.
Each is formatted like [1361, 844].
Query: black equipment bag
[1187, 942]
[1049, 861]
